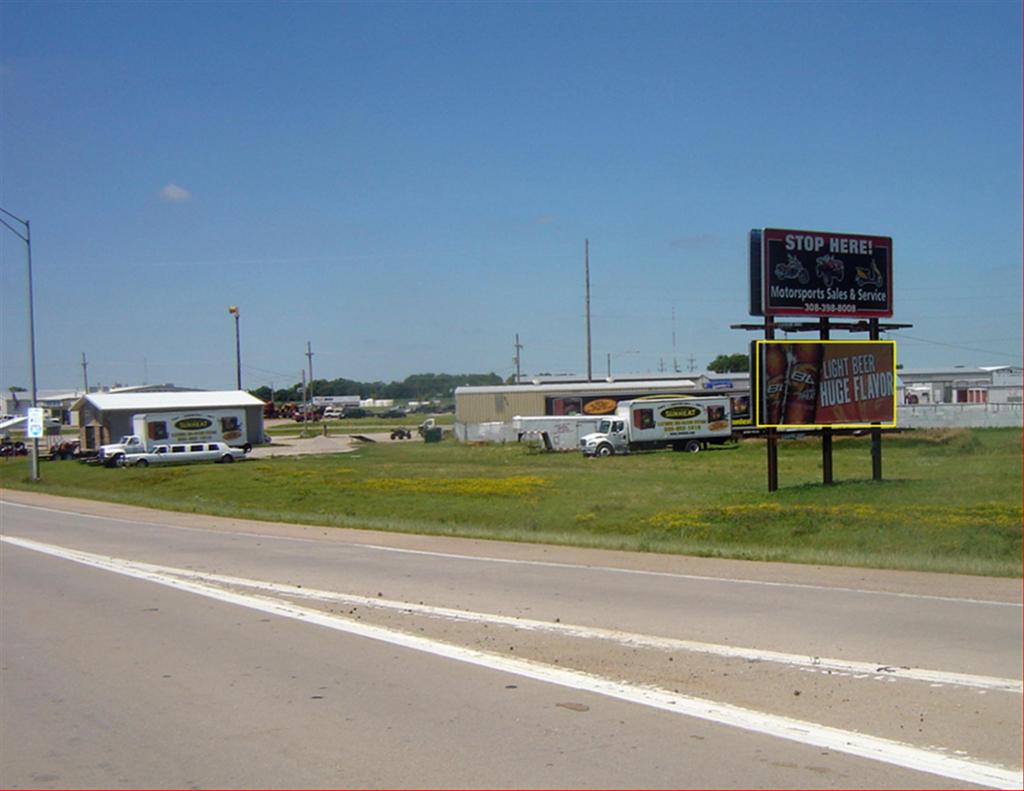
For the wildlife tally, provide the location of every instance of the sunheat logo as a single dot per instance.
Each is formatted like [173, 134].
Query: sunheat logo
[192, 423]
[680, 412]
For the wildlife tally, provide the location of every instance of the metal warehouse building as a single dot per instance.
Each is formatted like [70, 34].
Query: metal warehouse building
[105, 417]
[481, 413]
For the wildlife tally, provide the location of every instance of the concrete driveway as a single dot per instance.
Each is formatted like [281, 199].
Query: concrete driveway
[332, 443]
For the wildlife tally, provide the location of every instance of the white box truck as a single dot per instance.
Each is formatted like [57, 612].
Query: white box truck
[685, 424]
[167, 428]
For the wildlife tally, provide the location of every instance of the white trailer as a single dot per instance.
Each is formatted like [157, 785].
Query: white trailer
[685, 424]
[562, 432]
[167, 428]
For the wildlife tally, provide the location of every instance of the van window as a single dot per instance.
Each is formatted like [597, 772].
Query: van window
[177, 448]
[195, 447]
[156, 430]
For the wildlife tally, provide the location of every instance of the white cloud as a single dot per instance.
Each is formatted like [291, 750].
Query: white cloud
[172, 193]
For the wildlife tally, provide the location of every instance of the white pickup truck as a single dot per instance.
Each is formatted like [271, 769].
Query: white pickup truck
[184, 454]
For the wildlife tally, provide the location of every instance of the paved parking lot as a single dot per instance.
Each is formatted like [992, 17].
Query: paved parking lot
[332, 443]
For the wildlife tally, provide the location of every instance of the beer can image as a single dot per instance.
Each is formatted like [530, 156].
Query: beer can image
[775, 364]
[802, 377]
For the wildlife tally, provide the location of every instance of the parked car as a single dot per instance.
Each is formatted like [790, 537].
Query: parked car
[186, 454]
[394, 413]
[354, 411]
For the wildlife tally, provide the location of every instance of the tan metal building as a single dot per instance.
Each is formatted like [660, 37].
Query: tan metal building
[478, 410]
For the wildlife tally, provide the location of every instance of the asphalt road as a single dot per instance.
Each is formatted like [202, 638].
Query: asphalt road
[147, 649]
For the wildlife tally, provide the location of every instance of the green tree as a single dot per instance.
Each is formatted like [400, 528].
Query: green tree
[730, 363]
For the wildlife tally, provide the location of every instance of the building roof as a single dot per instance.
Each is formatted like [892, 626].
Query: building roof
[946, 373]
[602, 386]
[142, 402]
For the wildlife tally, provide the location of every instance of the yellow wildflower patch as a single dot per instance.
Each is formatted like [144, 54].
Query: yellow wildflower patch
[515, 486]
[993, 515]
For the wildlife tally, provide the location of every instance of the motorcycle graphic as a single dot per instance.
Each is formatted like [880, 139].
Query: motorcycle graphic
[792, 270]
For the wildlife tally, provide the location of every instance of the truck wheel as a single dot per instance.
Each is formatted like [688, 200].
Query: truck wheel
[142, 463]
[605, 450]
[692, 446]
[117, 461]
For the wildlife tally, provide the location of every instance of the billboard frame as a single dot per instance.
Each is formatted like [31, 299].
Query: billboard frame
[846, 291]
[759, 396]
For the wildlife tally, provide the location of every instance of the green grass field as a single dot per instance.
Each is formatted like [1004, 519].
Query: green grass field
[950, 501]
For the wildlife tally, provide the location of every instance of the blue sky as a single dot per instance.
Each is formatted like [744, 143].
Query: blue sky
[409, 185]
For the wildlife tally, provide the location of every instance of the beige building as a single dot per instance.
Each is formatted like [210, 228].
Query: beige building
[486, 413]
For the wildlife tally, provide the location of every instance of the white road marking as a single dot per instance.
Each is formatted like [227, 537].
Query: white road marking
[539, 563]
[859, 669]
[887, 751]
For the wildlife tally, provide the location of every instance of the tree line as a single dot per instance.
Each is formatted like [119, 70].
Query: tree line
[429, 386]
[418, 387]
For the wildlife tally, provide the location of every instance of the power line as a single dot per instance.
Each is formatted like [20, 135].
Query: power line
[957, 346]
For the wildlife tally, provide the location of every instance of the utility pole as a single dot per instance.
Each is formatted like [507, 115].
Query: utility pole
[27, 239]
[85, 373]
[586, 259]
[309, 356]
[519, 347]
[675, 360]
[691, 363]
[233, 310]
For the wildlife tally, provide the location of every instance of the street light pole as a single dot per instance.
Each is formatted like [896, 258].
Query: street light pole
[27, 239]
[233, 310]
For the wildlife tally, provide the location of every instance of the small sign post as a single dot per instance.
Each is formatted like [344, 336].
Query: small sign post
[34, 428]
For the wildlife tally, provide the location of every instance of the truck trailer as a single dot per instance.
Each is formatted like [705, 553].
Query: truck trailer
[555, 432]
[683, 424]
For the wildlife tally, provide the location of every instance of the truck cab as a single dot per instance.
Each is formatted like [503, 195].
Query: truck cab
[114, 454]
[609, 439]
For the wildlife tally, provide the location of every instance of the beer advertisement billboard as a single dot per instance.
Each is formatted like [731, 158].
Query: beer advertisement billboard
[825, 383]
[820, 273]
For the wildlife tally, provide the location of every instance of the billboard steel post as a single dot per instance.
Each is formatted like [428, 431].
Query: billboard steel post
[826, 433]
[772, 437]
[876, 430]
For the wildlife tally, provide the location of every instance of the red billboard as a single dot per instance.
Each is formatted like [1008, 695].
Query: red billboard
[825, 383]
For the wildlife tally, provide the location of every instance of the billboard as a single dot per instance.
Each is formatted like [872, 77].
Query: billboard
[820, 273]
[800, 384]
